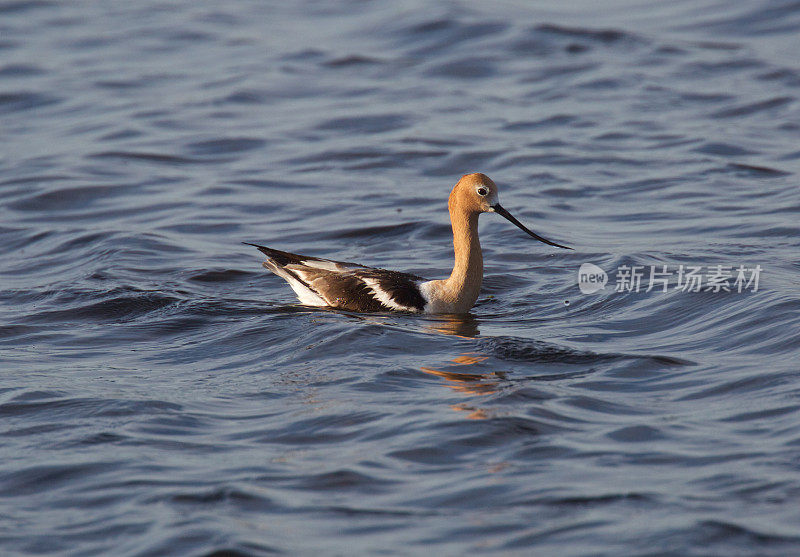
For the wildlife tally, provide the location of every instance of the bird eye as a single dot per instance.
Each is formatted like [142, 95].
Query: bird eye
[482, 192]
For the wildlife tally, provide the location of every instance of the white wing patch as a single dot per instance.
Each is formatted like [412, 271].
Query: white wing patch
[384, 297]
[304, 293]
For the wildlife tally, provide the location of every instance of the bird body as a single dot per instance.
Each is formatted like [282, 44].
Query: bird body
[354, 287]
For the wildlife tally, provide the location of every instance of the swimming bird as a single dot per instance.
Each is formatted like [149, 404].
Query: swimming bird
[354, 287]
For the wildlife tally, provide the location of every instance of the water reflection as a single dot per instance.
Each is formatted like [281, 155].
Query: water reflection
[473, 412]
[460, 378]
[464, 326]
[463, 373]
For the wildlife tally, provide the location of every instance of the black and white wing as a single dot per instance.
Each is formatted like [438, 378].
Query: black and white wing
[342, 285]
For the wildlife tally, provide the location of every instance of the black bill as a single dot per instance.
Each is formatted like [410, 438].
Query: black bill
[503, 213]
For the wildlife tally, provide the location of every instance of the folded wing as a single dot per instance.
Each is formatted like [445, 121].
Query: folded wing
[342, 285]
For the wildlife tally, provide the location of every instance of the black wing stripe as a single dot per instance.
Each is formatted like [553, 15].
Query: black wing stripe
[402, 288]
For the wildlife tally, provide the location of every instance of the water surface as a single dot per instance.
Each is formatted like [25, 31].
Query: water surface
[163, 394]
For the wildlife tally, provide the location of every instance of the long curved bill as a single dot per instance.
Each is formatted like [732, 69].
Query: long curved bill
[505, 214]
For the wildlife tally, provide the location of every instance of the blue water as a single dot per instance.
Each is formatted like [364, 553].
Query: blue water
[163, 394]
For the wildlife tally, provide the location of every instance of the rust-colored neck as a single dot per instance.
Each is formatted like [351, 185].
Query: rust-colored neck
[464, 282]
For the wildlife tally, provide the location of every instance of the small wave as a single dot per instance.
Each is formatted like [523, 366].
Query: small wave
[730, 533]
[227, 275]
[466, 68]
[28, 100]
[215, 496]
[20, 70]
[353, 60]
[752, 108]
[755, 170]
[525, 350]
[225, 146]
[369, 124]
[13, 8]
[115, 309]
[62, 199]
[158, 158]
[383, 232]
[600, 35]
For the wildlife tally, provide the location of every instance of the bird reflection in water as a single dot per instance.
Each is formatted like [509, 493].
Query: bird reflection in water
[459, 325]
[460, 379]
[457, 373]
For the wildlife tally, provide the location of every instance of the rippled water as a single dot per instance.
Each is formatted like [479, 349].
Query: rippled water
[163, 394]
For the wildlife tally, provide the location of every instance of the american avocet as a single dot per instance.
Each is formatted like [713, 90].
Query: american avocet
[349, 286]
